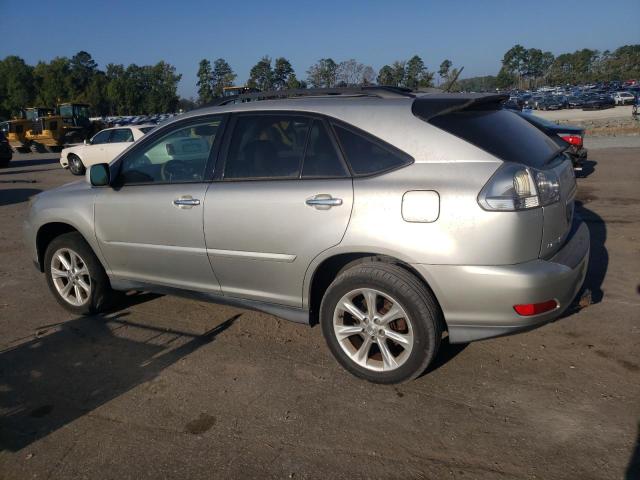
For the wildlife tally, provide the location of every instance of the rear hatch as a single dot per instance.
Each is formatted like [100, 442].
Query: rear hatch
[480, 120]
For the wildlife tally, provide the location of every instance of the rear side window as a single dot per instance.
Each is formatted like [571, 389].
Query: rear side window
[501, 133]
[321, 159]
[369, 156]
[267, 146]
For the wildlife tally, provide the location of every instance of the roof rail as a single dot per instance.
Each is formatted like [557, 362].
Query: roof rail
[365, 91]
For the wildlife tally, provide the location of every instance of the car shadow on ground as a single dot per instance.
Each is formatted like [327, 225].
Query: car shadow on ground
[633, 469]
[67, 370]
[10, 196]
[28, 170]
[598, 256]
[17, 162]
[591, 291]
[588, 167]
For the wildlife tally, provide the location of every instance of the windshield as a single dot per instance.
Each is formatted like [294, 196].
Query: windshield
[82, 111]
[66, 110]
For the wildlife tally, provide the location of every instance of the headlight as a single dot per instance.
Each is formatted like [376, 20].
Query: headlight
[516, 187]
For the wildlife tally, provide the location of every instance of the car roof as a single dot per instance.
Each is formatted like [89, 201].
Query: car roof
[388, 119]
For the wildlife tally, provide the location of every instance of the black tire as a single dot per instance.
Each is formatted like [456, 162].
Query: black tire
[101, 294]
[418, 303]
[4, 162]
[75, 165]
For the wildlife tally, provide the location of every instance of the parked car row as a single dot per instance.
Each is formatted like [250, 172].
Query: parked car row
[587, 97]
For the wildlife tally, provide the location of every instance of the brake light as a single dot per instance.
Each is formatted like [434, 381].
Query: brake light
[528, 309]
[516, 187]
[572, 139]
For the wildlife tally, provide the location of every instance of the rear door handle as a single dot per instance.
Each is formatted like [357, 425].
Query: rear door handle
[186, 201]
[323, 201]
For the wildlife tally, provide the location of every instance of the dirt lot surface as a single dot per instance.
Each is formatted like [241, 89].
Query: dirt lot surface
[172, 388]
[577, 114]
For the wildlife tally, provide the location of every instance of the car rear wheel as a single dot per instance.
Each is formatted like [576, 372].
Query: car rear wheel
[75, 276]
[381, 323]
[75, 165]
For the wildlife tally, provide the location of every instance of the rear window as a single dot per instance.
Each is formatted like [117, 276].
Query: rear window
[501, 133]
[369, 156]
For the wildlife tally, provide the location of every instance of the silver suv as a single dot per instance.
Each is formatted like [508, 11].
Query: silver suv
[391, 220]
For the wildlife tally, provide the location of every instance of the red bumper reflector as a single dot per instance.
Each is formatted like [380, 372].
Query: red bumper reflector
[529, 309]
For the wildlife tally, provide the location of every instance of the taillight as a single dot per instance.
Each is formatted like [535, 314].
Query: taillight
[572, 139]
[528, 309]
[516, 187]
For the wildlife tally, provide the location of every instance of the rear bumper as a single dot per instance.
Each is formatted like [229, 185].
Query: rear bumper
[477, 301]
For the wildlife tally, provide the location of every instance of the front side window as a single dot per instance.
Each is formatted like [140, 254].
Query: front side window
[267, 146]
[180, 155]
[368, 156]
[101, 137]
[122, 135]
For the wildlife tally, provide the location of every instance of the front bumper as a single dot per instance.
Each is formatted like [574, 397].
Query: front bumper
[477, 301]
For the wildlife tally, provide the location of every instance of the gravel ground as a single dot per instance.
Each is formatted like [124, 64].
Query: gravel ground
[576, 114]
[170, 388]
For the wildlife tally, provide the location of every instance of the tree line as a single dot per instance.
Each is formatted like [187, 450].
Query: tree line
[531, 67]
[278, 74]
[118, 90]
[142, 89]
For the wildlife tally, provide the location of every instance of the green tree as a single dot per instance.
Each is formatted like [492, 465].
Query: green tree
[16, 85]
[52, 82]
[96, 94]
[261, 74]
[223, 76]
[162, 81]
[293, 82]
[399, 71]
[385, 76]
[416, 74]
[505, 79]
[443, 71]
[282, 71]
[323, 74]
[82, 70]
[116, 89]
[204, 83]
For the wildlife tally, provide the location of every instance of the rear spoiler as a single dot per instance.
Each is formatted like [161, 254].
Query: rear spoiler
[429, 106]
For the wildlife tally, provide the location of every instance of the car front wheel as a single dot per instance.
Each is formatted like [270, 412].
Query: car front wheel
[75, 165]
[381, 323]
[75, 276]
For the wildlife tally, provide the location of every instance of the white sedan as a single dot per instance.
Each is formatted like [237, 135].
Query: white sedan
[623, 98]
[102, 148]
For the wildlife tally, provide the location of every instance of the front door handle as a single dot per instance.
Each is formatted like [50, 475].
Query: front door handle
[186, 201]
[323, 201]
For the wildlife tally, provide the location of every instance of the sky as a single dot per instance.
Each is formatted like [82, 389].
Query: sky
[473, 34]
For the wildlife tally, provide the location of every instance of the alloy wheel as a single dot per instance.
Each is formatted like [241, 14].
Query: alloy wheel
[71, 277]
[373, 329]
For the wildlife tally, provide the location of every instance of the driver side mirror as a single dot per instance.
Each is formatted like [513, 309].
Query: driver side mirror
[87, 142]
[99, 175]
